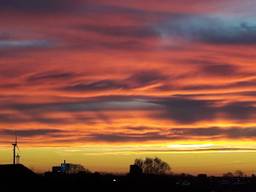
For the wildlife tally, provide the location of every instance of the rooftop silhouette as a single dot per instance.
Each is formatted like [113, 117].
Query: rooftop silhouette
[15, 170]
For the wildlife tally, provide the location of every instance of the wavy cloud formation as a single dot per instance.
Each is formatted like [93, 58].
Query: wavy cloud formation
[165, 72]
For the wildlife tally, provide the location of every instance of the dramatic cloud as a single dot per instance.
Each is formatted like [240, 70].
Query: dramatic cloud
[52, 75]
[5, 44]
[220, 70]
[31, 132]
[137, 80]
[128, 137]
[213, 133]
[36, 6]
[243, 84]
[123, 31]
[178, 109]
[240, 110]
[216, 132]
[146, 78]
[185, 110]
[97, 86]
[93, 104]
[212, 29]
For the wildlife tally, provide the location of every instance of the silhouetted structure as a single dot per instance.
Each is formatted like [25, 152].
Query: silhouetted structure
[135, 170]
[17, 170]
[17, 159]
[15, 155]
[56, 169]
[68, 168]
[14, 151]
[26, 180]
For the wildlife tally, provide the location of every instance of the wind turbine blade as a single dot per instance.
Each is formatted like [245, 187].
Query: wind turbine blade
[18, 148]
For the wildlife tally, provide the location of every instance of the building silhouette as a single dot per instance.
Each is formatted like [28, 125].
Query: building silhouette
[135, 170]
[17, 170]
[68, 168]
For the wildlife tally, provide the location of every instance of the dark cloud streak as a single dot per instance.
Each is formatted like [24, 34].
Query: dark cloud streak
[31, 132]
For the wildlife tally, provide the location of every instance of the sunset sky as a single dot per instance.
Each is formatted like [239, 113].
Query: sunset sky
[102, 82]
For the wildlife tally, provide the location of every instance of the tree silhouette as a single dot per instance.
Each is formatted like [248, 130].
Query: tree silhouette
[239, 173]
[228, 174]
[152, 166]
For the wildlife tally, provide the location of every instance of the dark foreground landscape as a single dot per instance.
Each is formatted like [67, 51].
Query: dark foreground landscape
[19, 178]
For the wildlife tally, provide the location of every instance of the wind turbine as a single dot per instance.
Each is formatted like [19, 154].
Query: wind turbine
[16, 156]
[17, 159]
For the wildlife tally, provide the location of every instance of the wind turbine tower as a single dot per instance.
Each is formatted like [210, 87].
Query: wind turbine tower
[15, 156]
